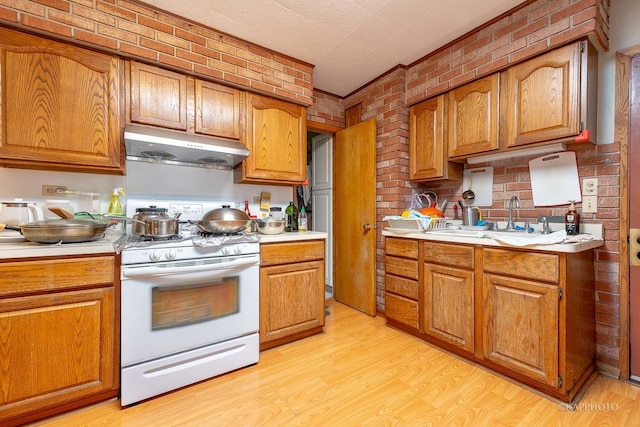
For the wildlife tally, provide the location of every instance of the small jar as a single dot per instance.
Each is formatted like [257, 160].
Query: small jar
[276, 213]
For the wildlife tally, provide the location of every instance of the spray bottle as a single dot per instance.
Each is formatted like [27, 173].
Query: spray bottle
[115, 206]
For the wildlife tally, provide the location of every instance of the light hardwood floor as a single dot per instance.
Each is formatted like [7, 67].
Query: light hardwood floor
[363, 373]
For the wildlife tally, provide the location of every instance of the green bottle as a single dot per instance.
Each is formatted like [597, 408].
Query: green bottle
[291, 214]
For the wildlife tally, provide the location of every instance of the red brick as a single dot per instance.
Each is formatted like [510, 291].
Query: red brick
[45, 25]
[173, 41]
[572, 34]
[119, 12]
[191, 57]
[8, 15]
[154, 45]
[175, 62]
[531, 28]
[507, 29]
[528, 52]
[115, 33]
[156, 25]
[208, 71]
[61, 5]
[93, 15]
[95, 39]
[129, 49]
[193, 38]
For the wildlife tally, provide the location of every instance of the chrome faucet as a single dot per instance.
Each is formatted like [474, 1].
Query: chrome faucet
[510, 224]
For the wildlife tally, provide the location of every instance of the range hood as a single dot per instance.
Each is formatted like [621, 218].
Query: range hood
[156, 145]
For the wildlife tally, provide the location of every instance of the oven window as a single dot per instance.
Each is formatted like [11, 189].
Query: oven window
[175, 306]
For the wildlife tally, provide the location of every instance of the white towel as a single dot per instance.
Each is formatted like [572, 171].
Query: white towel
[521, 239]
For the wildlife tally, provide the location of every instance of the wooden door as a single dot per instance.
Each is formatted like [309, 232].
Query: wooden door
[354, 223]
[520, 326]
[473, 117]
[447, 305]
[634, 218]
[157, 97]
[542, 97]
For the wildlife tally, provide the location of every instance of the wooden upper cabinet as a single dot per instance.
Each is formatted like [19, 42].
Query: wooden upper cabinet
[163, 98]
[543, 97]
[427, 142]
[218, 109]
[61, 106]
[158, 97]
[276, 136]
[473, 117]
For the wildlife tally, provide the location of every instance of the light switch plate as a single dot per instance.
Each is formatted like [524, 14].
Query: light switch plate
[590, 204]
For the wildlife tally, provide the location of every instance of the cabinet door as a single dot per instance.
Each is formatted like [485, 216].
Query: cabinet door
[426, 139]
[61, 106]
[520, 323]
[217, 110]
[277, 140]
[447, 305]
[291, 299]
[473, 117]
[543, 97]
[157, 97]
[56, 348]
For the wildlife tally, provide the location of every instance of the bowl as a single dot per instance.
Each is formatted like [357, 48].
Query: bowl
[270, 227]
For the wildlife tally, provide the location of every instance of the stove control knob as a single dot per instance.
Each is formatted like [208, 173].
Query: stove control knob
[154, 256]
[171, 254]
[226, 250]
[238, 249]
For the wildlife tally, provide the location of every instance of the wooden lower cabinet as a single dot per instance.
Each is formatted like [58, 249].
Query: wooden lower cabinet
[528, 315]
[58, 336]
[401, 281]
[292, 299]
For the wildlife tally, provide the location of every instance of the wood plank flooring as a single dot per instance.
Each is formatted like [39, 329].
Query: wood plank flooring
[363, 373]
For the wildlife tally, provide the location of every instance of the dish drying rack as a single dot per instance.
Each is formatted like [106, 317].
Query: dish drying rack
[416, 224]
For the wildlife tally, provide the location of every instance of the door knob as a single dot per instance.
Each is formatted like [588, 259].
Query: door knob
[366, 227]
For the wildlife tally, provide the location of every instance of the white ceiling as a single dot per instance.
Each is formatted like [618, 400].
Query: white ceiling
[350, 42]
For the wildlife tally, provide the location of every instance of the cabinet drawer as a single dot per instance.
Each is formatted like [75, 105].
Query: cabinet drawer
[401, 286]
[291, 252]
[57, 274]
[401, 267]
[529, 265]
[402, 309]
[401, 247]
[448, 254]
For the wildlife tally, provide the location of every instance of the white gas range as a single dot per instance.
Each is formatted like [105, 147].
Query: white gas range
[189, 305]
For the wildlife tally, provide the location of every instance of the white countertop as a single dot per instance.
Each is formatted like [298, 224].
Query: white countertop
[484, 241]
[292, 237]
[26, 249]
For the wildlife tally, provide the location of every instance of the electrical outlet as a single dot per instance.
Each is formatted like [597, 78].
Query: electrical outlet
[590, 187]
[590, 204]
[256, 199]
[54, 191]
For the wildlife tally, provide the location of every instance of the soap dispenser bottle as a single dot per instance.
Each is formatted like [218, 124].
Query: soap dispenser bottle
[572, 220]
[115, 206]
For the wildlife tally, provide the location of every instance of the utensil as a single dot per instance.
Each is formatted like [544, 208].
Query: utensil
[61, 213]
[224, 220]
[468, 194]
[471, 215]
[155, 222]
[61, 230]
[270, 226]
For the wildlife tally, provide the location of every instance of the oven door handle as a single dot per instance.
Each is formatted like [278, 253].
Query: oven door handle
[183, 267]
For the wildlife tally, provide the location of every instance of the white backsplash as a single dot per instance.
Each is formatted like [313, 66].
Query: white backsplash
[142, 180]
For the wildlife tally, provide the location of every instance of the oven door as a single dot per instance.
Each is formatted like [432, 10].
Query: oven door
[171, 307]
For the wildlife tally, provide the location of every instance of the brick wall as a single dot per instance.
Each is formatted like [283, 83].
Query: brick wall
[136, 31]
[539, 26]
[534, 28]
[327, 109]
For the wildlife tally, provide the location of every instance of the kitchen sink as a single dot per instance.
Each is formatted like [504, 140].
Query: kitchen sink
[511, 237]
